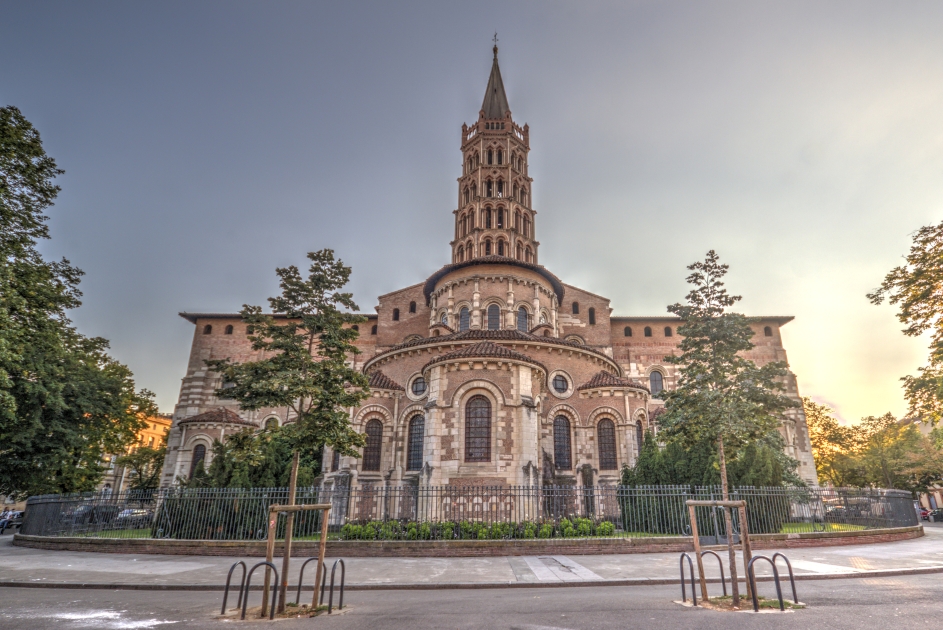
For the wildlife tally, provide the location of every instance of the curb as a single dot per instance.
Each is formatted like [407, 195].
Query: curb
[426, 586]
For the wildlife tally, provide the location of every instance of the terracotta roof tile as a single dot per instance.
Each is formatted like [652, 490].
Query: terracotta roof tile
[484, 350]
[219, 415]
[379, 380]
[605, 379]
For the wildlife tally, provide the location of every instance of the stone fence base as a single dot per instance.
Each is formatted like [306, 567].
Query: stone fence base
[454, 548]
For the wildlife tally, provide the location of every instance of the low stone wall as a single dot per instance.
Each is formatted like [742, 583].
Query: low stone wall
[453, 548]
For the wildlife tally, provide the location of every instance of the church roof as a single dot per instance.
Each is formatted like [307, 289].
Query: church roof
[379, 380]
[605, 379]
[554, 281]
[484, 350]
[219, 415]
[495, 104]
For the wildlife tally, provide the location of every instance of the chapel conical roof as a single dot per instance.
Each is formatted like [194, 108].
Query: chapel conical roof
[495, 104]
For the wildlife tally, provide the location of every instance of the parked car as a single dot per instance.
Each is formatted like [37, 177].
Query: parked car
[134, 518]
[936, 516]
[92, 514]
[924, 513]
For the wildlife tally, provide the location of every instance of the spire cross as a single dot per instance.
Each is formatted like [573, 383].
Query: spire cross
[495, 38]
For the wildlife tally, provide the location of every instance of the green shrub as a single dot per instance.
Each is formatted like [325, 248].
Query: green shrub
[606, 528]
[529, 530]
[446, 531]
[584, 527]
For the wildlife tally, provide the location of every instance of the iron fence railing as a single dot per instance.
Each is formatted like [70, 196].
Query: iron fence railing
[411, 512]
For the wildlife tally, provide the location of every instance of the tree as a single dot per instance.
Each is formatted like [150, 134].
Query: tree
[722, 397]
[835, 448]
[917, 287]
[64, 402]
[143, 465]
[306, 367]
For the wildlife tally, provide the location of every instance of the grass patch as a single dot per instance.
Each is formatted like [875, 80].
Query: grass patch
[802, 528]
[726, 603]
[118, 533]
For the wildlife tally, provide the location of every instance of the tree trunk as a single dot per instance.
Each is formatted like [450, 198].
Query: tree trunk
[289, 525]
[728, 522]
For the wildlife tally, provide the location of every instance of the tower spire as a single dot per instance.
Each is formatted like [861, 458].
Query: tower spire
[495, 104]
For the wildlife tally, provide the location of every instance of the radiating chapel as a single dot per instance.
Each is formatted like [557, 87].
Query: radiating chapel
[491, 371]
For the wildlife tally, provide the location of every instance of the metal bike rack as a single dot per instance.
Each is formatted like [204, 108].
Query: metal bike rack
[720, 563]
[242, 584]
[330, 601]
[792, 578]
[693, 588]
[301, 576]
[752, 576]
[245, 600]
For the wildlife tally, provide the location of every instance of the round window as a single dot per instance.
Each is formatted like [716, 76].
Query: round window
[419, 386]
[560, 383]
[445, 318]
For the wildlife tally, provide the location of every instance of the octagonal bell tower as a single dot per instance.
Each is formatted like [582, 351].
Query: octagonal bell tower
[494, 215]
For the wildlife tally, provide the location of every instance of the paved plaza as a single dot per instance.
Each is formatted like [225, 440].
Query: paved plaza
[21, 565]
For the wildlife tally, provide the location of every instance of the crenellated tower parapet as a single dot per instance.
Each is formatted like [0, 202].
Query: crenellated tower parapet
[495, 216]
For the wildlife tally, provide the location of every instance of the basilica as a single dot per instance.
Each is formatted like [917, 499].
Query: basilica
[492, 370]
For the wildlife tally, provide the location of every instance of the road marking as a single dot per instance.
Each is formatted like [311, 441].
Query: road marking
[819, 567]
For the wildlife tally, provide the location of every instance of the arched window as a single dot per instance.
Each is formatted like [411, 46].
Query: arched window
[667, 331]
[500, 248]
[528, 255]
[487, 248]
[648, 331]
[500, 156]
[606, 436]
[592, 315]
[469, 250]
[500, 188]
[478, 430]
[638, 437]
[500, 217]
[228, 329]
[562, 453]
[412, 307]
[576, 308]
[520, 252]
[464, 319]
[336, 461]
[656, 381]
[489, 188]
[488, 218]
[466, 196]
[494, 317]
[199, 454]
[356, 327]
[373, 329]
[207, 329]
[371, 452]
[460, 254]
[490, 156]
[627, 331]
[522, 319]
[767, 331]
[417, 426]
[517, 221]
[271, 423]
[395, 314]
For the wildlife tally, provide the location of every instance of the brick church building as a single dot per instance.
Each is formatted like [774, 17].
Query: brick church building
[491, 371]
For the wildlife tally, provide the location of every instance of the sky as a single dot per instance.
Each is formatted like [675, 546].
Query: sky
[207, 143]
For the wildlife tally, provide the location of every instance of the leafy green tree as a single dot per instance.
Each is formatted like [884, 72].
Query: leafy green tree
[143, 465]
[917, 288]
[64, 402]
[722, 397]
[306, 366]
[835, 448]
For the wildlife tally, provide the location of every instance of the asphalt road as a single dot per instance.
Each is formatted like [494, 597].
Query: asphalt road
[885, 603]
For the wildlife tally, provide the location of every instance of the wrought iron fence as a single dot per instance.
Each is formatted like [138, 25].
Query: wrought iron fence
[412, 512]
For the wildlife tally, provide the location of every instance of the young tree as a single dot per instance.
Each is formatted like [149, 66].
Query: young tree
[143, 465]
[722, 397]
[917, 287]
[306, 364]
[64, 403]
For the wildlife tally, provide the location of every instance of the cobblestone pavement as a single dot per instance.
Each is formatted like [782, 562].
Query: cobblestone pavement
[18, 564]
